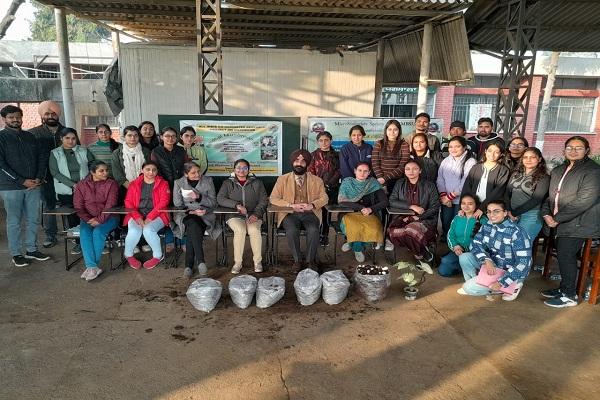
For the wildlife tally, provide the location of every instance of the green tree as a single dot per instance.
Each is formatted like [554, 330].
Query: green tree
[43, 28]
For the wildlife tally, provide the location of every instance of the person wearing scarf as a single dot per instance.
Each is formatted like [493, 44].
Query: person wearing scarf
[128, 159]
[366, 197]
[417, 231]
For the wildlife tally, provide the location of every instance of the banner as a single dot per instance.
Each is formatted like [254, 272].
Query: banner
[259, 142]
[340, 129]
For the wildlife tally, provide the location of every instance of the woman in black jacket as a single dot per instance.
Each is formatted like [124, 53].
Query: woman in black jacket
[488, 178]
[573, 210]
[415, 232]
[169, 157]
[429, 160]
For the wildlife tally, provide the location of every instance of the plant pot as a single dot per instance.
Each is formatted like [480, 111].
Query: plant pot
[410, 293]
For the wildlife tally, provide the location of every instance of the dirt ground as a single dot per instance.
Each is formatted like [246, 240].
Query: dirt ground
[133, 335]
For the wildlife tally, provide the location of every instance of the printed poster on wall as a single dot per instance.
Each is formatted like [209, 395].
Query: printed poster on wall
[259, 142]
[340, 129]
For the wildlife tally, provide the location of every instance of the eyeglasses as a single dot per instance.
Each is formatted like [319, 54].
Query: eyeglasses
[169, 137]
[242, 168]
[574, 148]
[516, 146]
[494, 212]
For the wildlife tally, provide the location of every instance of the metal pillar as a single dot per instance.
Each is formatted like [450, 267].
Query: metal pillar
[210, 60]
[116, 43]
[518, 61]
[425, 64]
[543, 122]
[379, 78]
[66, 82]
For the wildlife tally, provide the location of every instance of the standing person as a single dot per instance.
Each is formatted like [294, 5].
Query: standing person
[148, 136]
[366, 197]
[169, 157]
[357, 150]
[128, 159]
[305, 194]
[195, 192]
[527, 190]
[488, 178]
[247, 194]
[500, 244]
[573, 210]
[515, 149]
[457, 128]
[22, 171]
[96, 193]
[484, 137]
[452, 174]
[146, 196]
[415, 232]
[428, 160]
[195, 152]
[325, 164]
[422, 121]
[68, 165]
[47, 137]
[103, 148]
[390, 154]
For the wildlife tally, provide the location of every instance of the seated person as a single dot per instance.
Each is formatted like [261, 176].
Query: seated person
[366, 196]
[96, 193]
[417, 231]
[499, 244]
[305, 194]
[146, 195]
[196, 192]
[462, 229]
[247, 194]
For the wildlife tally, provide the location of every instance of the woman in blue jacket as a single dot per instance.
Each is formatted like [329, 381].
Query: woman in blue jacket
[355, 152]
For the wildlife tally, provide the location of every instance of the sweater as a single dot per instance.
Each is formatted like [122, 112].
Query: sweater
[91, 198]
[326, 165]
[496, 183]
[449, 180]
[21, 158]
[102, 151]
[351, 155]
[429, 199]
[523, 196]
[507, 246]
[390, 166]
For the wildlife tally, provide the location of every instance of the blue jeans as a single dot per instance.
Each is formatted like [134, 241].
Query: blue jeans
[447, 214]
[150, 232]
[21, 205]
[531, 222]
[92, 240]
[469, 264]
[449, 265]
[49, 203]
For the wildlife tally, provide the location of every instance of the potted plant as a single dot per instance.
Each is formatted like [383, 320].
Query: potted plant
[412, 276]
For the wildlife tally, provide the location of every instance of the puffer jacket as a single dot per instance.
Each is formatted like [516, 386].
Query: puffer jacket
[579, 201]
[170, 163]
[161, 196]
[252, 195]
[91, 198]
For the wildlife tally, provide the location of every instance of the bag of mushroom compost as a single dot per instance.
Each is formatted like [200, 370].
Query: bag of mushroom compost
[335, 286]
[372, 282]
[242, 289]
[269, 291]
[307, 287]
[204, 294]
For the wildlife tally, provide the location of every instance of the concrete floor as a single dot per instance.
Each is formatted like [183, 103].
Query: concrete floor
[133, 335]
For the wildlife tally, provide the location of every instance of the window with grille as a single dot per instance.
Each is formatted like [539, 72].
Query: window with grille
[569, 114]
[403, 105]
[469, 108]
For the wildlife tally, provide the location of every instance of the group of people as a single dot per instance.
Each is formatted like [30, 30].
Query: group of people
[492, 200]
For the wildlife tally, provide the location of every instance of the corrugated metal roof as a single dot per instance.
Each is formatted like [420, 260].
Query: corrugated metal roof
[287, 23]
[566, 25]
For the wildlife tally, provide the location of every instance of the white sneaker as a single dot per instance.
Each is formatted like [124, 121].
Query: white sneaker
[93, 274]
[378, 246]
[146, 248]
[360, 256]
[461, 291]
[511, 297]
[389, 246]
[202, 269]
[85, 274]
[136, 250]
[236, 268]
[423, 266]
[346, 247]
[258, 267]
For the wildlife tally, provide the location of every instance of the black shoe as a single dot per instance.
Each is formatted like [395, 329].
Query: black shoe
[20, 261]
[36, 255]
[324, 241]
[49, 242]
[551, 293]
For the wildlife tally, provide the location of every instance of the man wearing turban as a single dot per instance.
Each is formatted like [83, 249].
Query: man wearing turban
[303, 195]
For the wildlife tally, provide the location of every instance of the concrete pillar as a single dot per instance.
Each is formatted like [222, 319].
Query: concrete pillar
[543, 124]
[425, 63]
[116, 43]
[66, 81]
[379, 77]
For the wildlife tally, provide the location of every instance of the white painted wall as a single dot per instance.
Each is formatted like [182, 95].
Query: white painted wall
[270, 82]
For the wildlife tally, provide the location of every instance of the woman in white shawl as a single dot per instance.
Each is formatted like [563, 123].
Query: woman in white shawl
[128, 159]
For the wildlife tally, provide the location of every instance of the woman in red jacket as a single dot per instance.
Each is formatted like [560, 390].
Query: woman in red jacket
[146, 195]
[93, 195]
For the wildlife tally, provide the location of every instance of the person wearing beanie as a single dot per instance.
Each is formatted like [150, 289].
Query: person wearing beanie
[304, 194]
[457, 128]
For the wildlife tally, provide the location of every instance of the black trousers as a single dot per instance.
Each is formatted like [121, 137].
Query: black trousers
[293, 223]
[66, 200]
[194, 229]
[567, 249]
[326, 216]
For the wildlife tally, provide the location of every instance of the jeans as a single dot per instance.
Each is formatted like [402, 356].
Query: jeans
[566, 253]
[92, 240]
[150, 232]
[240, 226]
[449, 265]
[357, 246]
[531, 222]
[292, 223]
[21, 205]
[49, 203]
[469, 264]
[472, 288]
[447, 214]
[194, 231]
